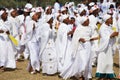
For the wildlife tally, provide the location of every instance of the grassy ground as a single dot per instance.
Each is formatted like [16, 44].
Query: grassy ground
[21, 73]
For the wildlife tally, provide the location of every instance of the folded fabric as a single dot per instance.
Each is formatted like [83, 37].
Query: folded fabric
[14, 41]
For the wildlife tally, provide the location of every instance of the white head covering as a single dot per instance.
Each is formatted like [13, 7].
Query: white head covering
[63, 17]
[91, 4]
[26, 10]
[106, 17]
[94, 7]
[81, 9]
[1, 12]
[48, 7]
[28, 6]
[39, 9]
[83, 19]
[79, 5]
[11, 10]
[75, 10]
[66, 4]
[32, 13]
[48, 17]
[63, 8]
[33, 9]
[71, 4]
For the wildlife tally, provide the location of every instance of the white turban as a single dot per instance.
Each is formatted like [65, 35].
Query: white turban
[32, 13]
[1, 12]
[63, 17]
[28, 6]
[83, 19]
[106, 17]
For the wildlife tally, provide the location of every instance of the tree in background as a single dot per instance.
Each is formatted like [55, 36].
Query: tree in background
[43, 3]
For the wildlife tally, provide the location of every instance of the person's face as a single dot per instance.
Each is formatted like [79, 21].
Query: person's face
[64, 12]
[35, 17]
[14, 13]
[72, 21]
[49, 11]
[83, 12]
[4, 16]
[96, 11]
[39, 14]
[86, 23]
[67, 21]
[110, 21]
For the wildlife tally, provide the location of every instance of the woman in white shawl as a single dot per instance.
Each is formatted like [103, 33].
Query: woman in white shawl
[105, 56]
[7, 55]
[80, 52]
[47, 53]
[63, 41]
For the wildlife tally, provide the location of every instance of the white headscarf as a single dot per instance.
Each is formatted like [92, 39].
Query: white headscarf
[94, 7]
[32, 13]
[80, 10]
[63, 17]
[83, 19]
[48, 17]
[11, 10]
[1, 12]
[106, 17]
[63, 8]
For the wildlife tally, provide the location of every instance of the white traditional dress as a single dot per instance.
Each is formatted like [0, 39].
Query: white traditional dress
[14, 31]
[93, 24]
[3, 43]
[80, 54]
[62, 43]
[7, 57]
[105, 57]
[48, 53]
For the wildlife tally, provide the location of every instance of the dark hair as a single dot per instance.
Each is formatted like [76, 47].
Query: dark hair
[57, 1]
[111, 6]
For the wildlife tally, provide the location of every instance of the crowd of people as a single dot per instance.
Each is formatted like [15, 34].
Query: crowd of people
[68, 39]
